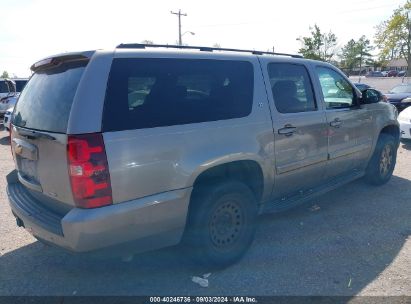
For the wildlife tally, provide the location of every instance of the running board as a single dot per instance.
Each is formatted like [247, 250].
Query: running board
[280, 205]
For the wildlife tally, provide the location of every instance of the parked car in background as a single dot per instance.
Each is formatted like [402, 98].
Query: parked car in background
[371, 91]
[8, 99]
[374, 74]
[392, 73]
[7, 118]
[8, 102]
[384, 73]
[190, 146]
[402, 74]
[400, 96]
[5, 88]
[405, 124]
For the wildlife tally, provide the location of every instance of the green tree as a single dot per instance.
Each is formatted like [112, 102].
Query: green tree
[356, 53]
[5, 74]
[319, 46]
[349, 55]
[393, 36]
[364, 48]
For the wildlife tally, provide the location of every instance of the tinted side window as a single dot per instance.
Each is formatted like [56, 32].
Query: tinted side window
[291, 87]
[337, 91]
[147, 93]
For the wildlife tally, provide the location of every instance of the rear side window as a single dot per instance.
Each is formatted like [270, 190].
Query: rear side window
[46, 101]
[148, 93]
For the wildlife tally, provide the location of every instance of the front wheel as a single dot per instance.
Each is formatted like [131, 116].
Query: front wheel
[222, 223]
[382, 163]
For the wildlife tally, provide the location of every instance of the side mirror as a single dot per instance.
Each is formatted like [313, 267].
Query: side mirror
[370, 96]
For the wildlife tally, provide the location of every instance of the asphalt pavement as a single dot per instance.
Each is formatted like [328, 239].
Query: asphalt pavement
[352, 241]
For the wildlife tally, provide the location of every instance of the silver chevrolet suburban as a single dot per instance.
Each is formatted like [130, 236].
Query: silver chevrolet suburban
[144, 147]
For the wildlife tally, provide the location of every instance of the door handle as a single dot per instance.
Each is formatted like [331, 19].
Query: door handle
[336, 123]
[288, 130]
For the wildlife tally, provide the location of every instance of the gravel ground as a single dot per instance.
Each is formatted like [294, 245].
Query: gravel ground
[355, 241]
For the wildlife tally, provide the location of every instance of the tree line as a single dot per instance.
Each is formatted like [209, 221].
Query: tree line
[392, 40]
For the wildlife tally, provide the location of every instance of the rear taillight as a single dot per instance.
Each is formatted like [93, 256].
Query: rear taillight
[88, 170]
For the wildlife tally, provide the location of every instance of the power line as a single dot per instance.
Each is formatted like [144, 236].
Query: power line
[179, 14]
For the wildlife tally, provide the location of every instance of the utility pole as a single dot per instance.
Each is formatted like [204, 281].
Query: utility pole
[179, 14]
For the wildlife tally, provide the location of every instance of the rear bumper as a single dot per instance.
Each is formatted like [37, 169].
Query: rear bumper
[139, 225]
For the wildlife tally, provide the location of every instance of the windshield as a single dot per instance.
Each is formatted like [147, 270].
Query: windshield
[45, 102]
[401, 89]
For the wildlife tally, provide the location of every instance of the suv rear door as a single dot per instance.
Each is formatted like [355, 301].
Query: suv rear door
[299, 128]
[39, 139]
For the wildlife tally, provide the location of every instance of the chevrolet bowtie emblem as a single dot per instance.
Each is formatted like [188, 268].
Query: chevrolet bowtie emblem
[18, 149]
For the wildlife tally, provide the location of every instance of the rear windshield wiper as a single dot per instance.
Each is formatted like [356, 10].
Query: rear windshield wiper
[35, 134]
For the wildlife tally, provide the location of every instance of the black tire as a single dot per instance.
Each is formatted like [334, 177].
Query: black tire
[382, 163]
[221, 224]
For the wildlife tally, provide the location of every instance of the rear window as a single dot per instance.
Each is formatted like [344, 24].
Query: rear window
[147, 93]
[46, 101]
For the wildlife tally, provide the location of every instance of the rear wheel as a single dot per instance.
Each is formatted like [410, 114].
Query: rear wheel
[222, 223]
[382, 163]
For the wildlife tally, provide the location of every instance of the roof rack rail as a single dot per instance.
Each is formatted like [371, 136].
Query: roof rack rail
[201, 48]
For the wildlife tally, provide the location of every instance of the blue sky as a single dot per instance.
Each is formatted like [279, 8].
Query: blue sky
[33, 29]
